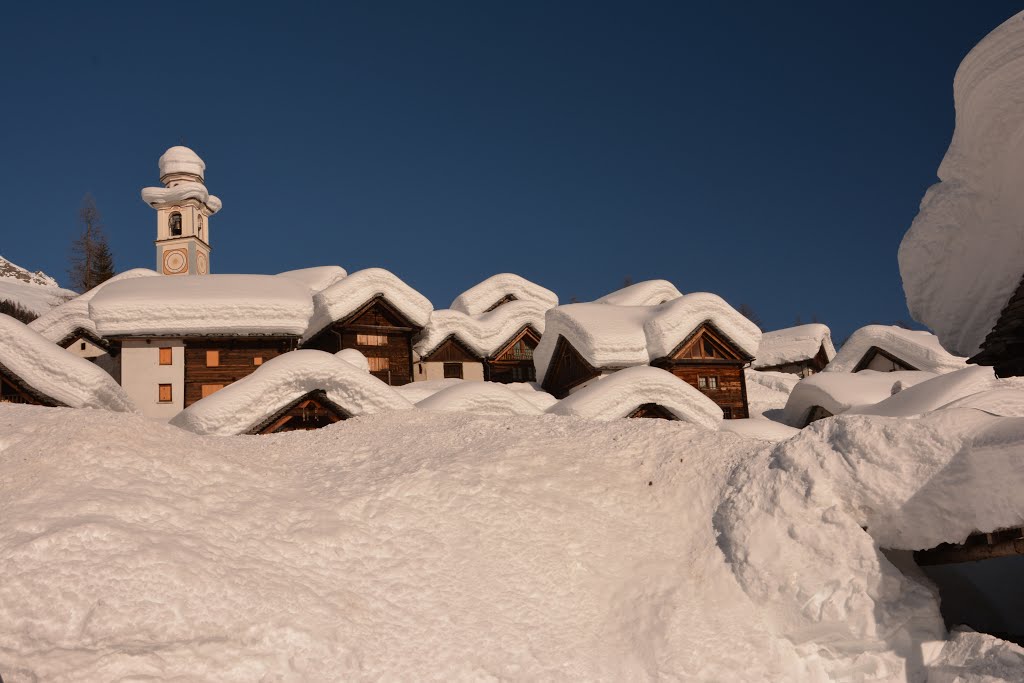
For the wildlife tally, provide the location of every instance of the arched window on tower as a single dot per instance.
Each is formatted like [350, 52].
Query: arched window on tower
[199, 228]
[174, 224]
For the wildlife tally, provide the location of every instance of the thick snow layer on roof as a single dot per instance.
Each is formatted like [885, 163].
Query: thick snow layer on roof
[646, 293]
[354, 358]
[619, 394]
[933, 393]
[1001, 401]
[532, 392]
[919, 348]
[838, 392]
[417, 545]
[245, 404]
[768, 391]
[157, 196]
[794, 344]
[208, 304]
[483, 334]
[179, 159]
[482, 296]
[54, 372]
[610, 337]
[348, 295]
[963, 256]
[479, 398]
[316, 278]
[61, 321]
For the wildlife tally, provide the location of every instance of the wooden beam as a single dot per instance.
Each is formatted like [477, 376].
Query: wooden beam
[1003, 543]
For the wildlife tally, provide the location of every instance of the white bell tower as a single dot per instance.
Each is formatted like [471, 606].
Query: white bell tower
[183, 209]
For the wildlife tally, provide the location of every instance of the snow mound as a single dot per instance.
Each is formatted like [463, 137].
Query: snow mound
[768, 390]
[478, 298]
[919, 348]
[971, 657]
[242, 405]
[839, 392]
[619, 394]
[211, 304]
[349, 294]
[532, 392]
[794, 344]
[53, 372]
[646, 293]
[911, 483]
[483, 334]
[71, 316]
[933, 393]
[614, 337]
[962, 257]
[1004, 402]
[479, 398]
[317, 278]
[758, 428]
[417, 391]
[354, 358]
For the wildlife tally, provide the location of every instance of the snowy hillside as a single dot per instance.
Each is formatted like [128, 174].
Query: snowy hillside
[38, 292]
[416, 545]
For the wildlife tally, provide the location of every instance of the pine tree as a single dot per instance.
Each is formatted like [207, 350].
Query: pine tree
[91, 260]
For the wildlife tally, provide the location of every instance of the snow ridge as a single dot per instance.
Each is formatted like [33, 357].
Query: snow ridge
[919, 348]
[347, 295]
[646, 293]
[483, 334]
[478, 298]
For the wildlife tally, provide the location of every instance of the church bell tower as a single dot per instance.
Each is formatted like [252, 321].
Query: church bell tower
[183, 210]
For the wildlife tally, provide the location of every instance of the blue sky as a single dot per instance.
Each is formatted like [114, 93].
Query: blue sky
[772, 154]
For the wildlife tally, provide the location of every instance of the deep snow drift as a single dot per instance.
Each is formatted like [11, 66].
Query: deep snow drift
[419, 545]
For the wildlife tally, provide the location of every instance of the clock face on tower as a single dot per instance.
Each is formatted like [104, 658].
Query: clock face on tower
[175, 262]
[202, 264]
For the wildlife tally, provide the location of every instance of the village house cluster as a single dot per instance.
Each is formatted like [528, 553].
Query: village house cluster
[319, 345]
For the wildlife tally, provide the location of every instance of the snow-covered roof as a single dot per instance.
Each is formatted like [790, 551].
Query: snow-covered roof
[838, 392]
[794, 344]
[646, 293]
[243, 405]
[483, 334]
[316, 278]
[479, 398]
[348, 295]
[179, 159]
[933, 393]
[208, 304]
[613, 337]
[55, 373]
[918, 348]
[619, 394]
[157, 196]
[478, 298]
[354, 358]
[73, 315]
[963, 256]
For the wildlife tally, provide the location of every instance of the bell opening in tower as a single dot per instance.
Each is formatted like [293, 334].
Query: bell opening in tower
[174, 224]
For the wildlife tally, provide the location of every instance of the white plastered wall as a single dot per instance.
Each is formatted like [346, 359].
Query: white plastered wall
[423, 372]
[142, 375]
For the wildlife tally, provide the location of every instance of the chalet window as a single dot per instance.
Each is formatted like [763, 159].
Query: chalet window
[212, 359]
[702, 382]
[371, 340]
[453, 370]
[712, 383]
[420, 368]
[164, 393]
[377, 364]
[165, 355]
[174, 224]
[208, 389]
[82, 346]
[257, 360]
[727, 413]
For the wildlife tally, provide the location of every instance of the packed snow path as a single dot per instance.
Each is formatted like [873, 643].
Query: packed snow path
[413, 546]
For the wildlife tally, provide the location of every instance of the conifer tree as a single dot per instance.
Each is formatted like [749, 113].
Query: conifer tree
[91, 260]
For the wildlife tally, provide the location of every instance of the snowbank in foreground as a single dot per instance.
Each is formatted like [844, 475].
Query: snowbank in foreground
[479, 398]
[242, 405]
[619, 394]
[963, 256]
[54, 372]
[415, 545]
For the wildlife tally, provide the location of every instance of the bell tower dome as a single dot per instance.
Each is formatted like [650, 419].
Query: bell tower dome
[183, 210]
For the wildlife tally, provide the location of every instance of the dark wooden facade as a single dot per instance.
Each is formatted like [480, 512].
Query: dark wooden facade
[236, 357]
[710, 362]
[451, 350]
[977, 546]
[310, 411]
[1003, 348]
[13, 389]
[567, 369]
[653, 410]
[513, 362]
[803, 368]
[390, 335]
[875, 353]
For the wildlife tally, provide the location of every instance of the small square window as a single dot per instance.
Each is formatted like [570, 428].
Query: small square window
[453, 370]
[208, 389]
[164, 393]
[702, 382]
[165, 355]
[212, 359]
[258, 360]
[712, 382]
[82, 346]
[371, 340]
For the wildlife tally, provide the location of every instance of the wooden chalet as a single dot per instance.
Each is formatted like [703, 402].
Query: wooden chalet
[881, 360]
[212, 363]
[803, 368]
[706, 360]
[513, 362]
[378, 331]
[13, 389]
[458, 361]
[310, 411]
[1003, 348]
